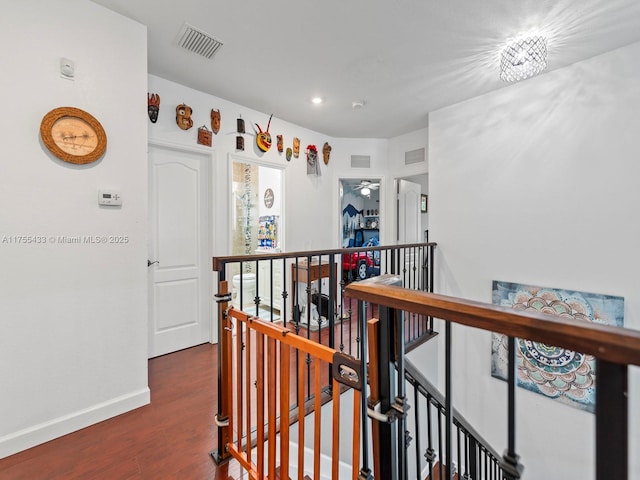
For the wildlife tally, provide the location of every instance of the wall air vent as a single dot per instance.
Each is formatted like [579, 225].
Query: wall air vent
[360, 161]
[414, 156]
[196, 41]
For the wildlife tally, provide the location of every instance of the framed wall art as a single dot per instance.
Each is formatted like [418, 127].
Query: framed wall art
[423, 203]
[560, 374]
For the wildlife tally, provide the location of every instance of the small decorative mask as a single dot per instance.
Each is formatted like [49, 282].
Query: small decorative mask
[280, 143]
[312, 160]
[204, 136]
[263, 139]
[183, 116]
[153, 106]
[296, 147]
[326, 153]
[215, 121]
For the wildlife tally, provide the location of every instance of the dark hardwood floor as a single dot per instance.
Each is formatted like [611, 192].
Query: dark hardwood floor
[169, 439]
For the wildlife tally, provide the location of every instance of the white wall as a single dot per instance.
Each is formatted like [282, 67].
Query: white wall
[311, 203]
[378, 150]
[537, 183]
[73, 316]
[416, 172]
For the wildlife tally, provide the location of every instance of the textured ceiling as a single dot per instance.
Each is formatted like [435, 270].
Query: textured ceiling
[404, 58]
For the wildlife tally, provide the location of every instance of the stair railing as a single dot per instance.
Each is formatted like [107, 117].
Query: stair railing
[271, 299]
[614, 349]
[475, 458]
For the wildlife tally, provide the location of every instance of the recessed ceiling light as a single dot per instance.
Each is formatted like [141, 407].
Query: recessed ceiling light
[357, 104]
[316, 100]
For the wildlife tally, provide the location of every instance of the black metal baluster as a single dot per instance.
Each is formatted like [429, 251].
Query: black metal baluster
[430, 454]
[510, 460]
[416, 270]
[285, 294]
[466, 456]
[459, 464]
[308, 291]
[404, 267]
[333, 283]
[473, 458]
[386, 260]
[401, 400]
[270, 288]
[241, 292]
[342, 285]
[448, 395]
[440, 444]
[365, 470]
[256, 299]
[416, 421]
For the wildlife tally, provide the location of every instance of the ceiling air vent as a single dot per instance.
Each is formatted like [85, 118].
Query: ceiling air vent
[360, 161]
[197, 41]
[414, 156]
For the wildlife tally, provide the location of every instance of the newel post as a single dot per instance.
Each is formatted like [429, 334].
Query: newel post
[221, 455]
[611, 421]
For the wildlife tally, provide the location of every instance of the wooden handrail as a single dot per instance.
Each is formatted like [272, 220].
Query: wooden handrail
[219, 262]
[606, 342]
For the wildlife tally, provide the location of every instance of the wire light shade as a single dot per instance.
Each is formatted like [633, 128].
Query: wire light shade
[523, 58]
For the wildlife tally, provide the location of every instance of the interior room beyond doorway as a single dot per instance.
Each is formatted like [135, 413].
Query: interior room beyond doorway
[360, 209]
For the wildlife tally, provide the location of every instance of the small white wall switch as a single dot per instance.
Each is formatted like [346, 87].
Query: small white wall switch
[109, 197]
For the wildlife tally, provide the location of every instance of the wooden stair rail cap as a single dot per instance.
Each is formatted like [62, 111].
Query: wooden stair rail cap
[606, 342]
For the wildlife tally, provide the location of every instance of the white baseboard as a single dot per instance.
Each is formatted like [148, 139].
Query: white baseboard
[43, 432]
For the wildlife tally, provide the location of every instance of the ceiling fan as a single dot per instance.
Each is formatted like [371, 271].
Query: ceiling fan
[367, 184]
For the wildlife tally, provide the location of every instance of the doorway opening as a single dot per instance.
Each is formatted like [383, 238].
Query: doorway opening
[361, 222]
[257, 223]
[256, 227]
[361, 213]
[412, 218]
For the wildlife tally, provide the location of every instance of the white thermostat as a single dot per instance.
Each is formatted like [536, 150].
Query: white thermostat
[109, 197]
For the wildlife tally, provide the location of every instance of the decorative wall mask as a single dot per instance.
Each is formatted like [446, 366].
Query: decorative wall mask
[280, 143]
[326, 153]
[289, 153]
[153, 106]
[263, 139]
[183, 116]
[313, 167]
[215, 121]
[296, 147]
[204, 136]
[240, 138]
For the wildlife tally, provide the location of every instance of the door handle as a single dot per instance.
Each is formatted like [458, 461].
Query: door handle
[149, 262]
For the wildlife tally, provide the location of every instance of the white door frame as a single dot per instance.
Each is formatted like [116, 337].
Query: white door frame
[208, 276]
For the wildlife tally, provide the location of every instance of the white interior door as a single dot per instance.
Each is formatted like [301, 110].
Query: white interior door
[179, 283]
[408, 212]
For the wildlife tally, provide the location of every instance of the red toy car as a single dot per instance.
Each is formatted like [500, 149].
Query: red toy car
[359, 264]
